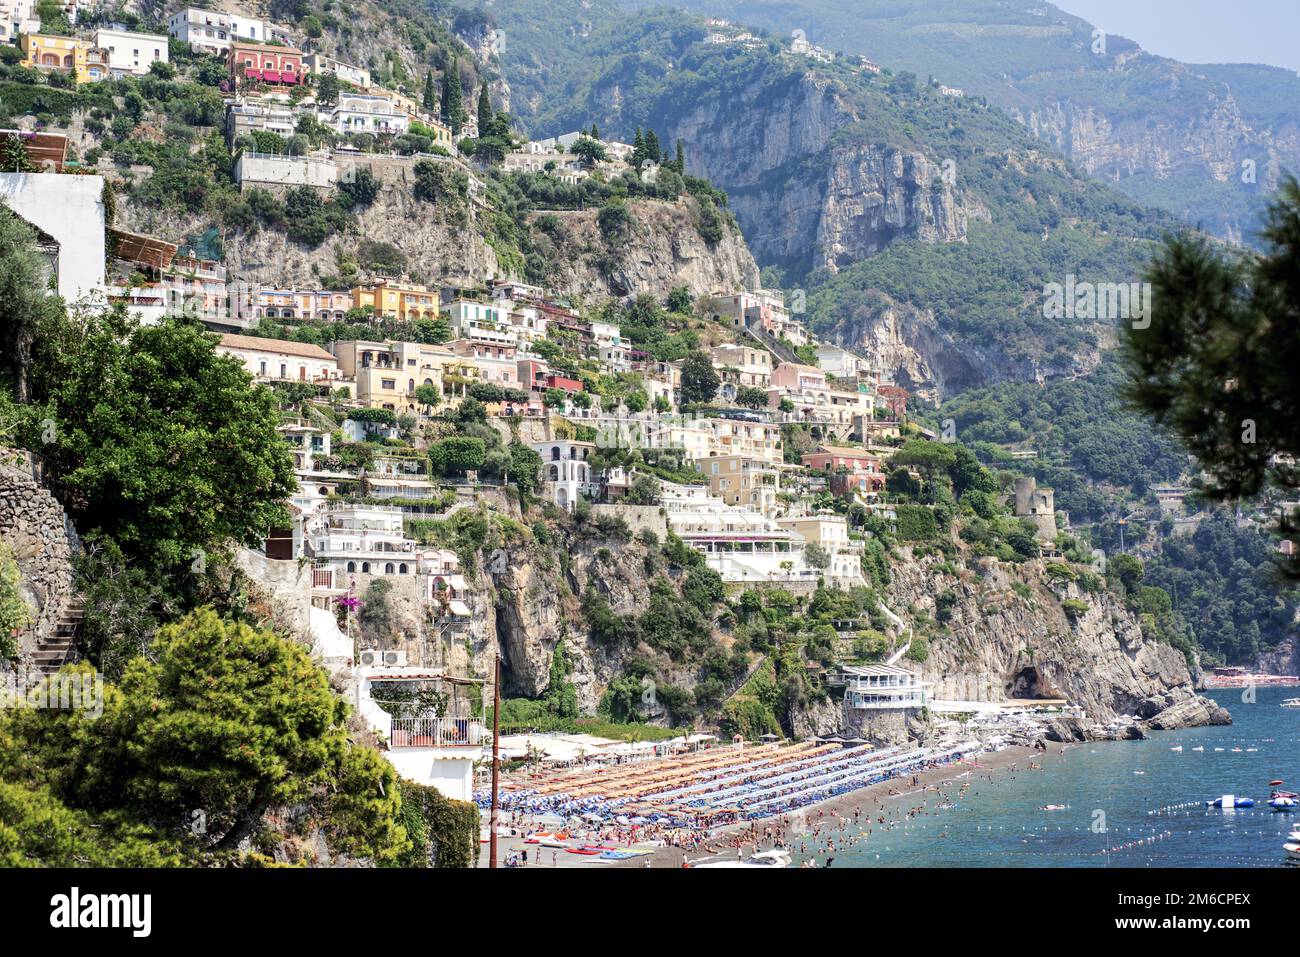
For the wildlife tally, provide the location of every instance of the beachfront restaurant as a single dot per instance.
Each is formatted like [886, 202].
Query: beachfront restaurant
[875, 687]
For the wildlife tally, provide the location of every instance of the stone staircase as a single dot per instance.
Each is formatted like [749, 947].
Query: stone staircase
[773, 344]
[60, 648]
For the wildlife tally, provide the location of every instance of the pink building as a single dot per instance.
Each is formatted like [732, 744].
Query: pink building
[797, 378]
[262, 63]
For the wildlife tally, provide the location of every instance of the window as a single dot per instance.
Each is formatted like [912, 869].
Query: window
[389, 383]
[284, 369]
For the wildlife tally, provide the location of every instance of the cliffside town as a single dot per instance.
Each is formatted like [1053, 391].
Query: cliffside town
[531, 403]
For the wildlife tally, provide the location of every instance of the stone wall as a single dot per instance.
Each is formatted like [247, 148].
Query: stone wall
[639, 518]
[44, 542]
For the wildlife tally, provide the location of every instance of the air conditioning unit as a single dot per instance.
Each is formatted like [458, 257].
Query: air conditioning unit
[395, 659]
[371, 659]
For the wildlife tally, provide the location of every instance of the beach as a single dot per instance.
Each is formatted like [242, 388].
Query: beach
[846, 818]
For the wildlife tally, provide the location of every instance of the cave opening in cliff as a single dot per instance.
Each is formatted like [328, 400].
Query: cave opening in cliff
[1030, 683]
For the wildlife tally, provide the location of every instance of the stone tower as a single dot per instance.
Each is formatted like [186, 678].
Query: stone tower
[1038, 505]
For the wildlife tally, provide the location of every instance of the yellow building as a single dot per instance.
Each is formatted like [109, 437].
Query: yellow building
[397, 300]
[742, 480]
[81, 58]
[388, 373]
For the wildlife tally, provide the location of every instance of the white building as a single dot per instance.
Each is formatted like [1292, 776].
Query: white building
[209, 31]
[364, 113]
[878, 687]
[431, 749]
[831, 532]
[739, 544]
[566, 474]
[840, 362]
[318, 63]
[280, 359]
[364, 539]
[68, 213]
[131, 53]
[17, 16]
[487, 323]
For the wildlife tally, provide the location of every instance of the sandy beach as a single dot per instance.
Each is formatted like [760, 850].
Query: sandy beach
[812, 827]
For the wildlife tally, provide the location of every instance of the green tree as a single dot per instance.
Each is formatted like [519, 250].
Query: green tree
[429, 101]
[590, 151]
[361, 187]
[228, 724]
[485, 111]
[645, 490]
[456, 455]
[152, 461]
[15, 613]
[751, 397]
[699, 380]
[1215, 361]
[25, 302]
[1128, 570]
[327, 88]
[453, 106]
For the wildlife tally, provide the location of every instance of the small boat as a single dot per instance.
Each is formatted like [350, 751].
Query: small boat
[1218, 749]
[1052, 807]
[1236, 750]
[1292, 850]
[1291, 703]
[585, 851]
[1199, 748]
[1176, 747]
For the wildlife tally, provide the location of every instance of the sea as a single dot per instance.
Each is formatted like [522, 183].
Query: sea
[1126, 803]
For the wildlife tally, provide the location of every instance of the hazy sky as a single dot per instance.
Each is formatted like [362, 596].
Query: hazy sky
[1202, 31]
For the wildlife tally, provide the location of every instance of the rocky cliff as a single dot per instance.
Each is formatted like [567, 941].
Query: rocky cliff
[663, 249]
[447, 243]
[804, 195]
[930, 361]
[1003, 641]
[434, 239]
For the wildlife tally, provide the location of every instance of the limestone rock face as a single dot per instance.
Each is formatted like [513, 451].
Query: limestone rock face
[821, 717]
[1191, 712]
[663, 250]
[1282, 659]
[437, 245]
[1004, 645]
[836, 203]
[44, 543]
[875, 195]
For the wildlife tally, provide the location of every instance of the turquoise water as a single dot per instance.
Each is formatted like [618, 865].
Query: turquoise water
[1156, 818]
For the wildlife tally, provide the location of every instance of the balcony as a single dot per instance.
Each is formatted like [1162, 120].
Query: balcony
[437, 733]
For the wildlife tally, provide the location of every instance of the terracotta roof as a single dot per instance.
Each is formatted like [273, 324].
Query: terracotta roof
[284, 346]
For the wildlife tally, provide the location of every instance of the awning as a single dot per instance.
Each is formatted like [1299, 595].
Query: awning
[143, 249]
[458, 608]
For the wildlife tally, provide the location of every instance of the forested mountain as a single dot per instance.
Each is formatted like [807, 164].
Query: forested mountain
[923, 222]
[922, 226]
[1169, 134]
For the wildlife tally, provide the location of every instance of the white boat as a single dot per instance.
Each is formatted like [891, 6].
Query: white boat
[1291, 703]
[1176, 747]
[776, 857]
[1198, 748]
[1292, 851]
